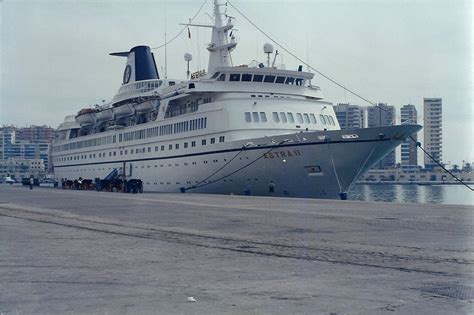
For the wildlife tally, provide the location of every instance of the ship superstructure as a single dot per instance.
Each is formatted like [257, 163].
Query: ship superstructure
[233, 129]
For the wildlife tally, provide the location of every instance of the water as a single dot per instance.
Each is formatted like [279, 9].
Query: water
[441, 194]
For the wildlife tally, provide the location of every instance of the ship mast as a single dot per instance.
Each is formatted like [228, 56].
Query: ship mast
[220, 47]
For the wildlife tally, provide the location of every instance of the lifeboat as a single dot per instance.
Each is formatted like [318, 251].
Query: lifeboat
[85, 116]
[123, 110]
[146, 106]
[106, 114]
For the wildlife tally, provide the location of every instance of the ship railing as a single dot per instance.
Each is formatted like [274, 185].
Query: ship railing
[137, 87]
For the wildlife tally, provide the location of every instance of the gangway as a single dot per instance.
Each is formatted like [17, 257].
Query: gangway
[112, 175]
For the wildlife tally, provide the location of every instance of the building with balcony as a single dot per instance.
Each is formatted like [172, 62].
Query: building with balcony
[378, 116]
[26, 143]
[432, 130]
[409, 158]
[351, 116]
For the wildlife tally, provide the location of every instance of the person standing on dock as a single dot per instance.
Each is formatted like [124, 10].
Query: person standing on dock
[32, 181]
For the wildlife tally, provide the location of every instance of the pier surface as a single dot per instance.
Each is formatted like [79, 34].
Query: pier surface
[75, 252]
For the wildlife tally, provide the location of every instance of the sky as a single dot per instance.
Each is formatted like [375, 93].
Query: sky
[54, 54]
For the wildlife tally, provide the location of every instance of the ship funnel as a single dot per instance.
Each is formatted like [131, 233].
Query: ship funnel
[140, 65]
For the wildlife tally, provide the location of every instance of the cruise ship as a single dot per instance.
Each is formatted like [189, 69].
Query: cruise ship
[247, 130]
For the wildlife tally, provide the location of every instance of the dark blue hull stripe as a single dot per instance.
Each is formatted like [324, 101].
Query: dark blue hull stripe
[223, 151]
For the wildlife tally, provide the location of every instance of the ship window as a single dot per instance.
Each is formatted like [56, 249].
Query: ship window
[248, 118]
[299, 117]
[221, 139]
[156, 148]
[149, 149]
[257, 78]
[121, 152]
[263, 117]
[280, 80]
[275, 117]
[191, 85]
[215, 75]
[213, 140]
[283, 117]
[203, 142]
[255, 117]
[126, 152]
[176, 146]
[185, 145]
[222, 77]
[299, 81]
[234, 77]
[332, 121]
[171, 83]
[313, 118]
[306, 118]
[170, 147]
[193, 143]
[290, 80]
[246, 77]
[162, 148]
[269, 79]
[290, 117]
[323, 120]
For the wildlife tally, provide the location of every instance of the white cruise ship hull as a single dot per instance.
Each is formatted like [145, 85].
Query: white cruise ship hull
[319, 164]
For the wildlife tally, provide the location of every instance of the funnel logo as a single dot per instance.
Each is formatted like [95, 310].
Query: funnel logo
[126, 74]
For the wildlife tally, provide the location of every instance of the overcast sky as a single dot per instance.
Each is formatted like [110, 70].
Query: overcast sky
[54, 54]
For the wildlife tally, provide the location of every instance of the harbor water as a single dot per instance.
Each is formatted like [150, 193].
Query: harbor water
[436, 194]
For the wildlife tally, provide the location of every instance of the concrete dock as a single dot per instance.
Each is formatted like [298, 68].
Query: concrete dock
[78, 252]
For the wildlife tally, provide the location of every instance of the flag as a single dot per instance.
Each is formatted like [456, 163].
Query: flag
[189, 33]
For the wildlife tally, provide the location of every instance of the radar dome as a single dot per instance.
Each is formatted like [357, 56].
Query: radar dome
[268, 48]
[188, 57]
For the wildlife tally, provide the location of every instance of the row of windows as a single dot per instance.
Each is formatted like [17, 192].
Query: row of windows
[269, 78]
[190, 125]
[288, 117]
[176, 146]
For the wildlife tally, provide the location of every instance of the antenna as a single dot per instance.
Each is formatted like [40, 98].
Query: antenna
[188, 57]
[274, 58]
[166, 53]
[268, 49]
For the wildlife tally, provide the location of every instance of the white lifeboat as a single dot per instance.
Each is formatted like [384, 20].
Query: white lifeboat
[85, 116]
[106, 114]
[146, 106]
[123, 110]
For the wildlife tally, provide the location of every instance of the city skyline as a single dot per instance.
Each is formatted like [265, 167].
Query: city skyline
[54, 68]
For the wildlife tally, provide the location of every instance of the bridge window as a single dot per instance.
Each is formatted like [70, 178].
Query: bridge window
[283, 117]
[290, 80]
[263, 117]
[269, 79]
[222, 77]
[280, 80]
[215, 75]
[246, 77]
[234, 77]
[258, 78]
[313, 118]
